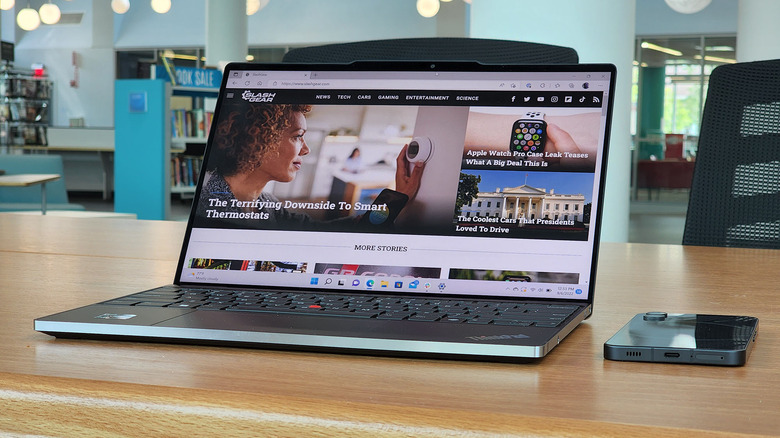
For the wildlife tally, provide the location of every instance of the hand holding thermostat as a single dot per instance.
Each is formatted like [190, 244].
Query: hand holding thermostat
[408, 174]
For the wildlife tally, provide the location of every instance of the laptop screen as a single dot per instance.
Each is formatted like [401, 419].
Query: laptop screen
[456, 179]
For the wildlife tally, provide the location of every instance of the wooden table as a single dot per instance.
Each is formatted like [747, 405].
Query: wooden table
[87, 388]
[30, 179]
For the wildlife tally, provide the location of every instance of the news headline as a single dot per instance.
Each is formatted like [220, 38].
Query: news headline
[246, 207]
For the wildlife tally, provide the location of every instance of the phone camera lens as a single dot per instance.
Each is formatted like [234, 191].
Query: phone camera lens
[655, 316]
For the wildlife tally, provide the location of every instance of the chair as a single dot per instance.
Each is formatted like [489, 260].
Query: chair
[735, 193]
[29, 198]
[487, 51]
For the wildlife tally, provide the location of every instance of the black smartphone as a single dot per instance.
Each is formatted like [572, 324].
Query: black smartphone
[529, 134]
[684, 338]
[384, 209]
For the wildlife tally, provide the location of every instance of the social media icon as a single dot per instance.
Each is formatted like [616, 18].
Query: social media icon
[554, 99]
[567, 99]
[527, 99]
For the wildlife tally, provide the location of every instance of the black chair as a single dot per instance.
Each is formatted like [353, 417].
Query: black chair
[487, 51]
[735, 193]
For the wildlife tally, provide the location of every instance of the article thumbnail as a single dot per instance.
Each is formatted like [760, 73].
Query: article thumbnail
[514, 276]
[247, 265]
[376, 271]
[541, 205]
[532, 139]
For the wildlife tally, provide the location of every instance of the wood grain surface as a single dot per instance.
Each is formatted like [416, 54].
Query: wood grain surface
[53, 387]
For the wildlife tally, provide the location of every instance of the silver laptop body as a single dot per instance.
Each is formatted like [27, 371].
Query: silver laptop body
[405, 208]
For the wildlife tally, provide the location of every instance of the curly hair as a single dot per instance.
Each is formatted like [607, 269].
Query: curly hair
[246, 135]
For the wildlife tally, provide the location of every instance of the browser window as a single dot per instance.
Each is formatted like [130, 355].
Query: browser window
[431, 182]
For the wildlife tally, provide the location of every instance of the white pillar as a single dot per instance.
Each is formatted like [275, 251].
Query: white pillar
[758, 35]
[452, 20]
[600, 31]
[226, 31]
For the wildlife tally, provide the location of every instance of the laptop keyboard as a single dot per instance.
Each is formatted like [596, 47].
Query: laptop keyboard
[381, 307]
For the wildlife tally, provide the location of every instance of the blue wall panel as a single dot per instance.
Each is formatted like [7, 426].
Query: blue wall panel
[141, 159]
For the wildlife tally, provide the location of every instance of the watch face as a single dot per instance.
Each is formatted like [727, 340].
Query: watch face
[528, 135]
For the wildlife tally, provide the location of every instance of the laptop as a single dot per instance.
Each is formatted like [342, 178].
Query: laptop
[442, 209]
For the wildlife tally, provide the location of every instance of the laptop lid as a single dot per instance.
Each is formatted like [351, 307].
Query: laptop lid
[453, 179]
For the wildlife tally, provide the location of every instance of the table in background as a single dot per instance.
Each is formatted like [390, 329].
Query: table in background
[664, 174]
[77, 388]
[104, 153]
[30, 179]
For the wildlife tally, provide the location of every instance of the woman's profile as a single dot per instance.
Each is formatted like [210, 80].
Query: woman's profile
[257, 144]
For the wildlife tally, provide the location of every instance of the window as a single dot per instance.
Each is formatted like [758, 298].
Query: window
[670, 85]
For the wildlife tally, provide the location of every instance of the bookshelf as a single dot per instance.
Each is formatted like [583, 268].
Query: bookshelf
[25, 99]
[156, 156]
[190, 118]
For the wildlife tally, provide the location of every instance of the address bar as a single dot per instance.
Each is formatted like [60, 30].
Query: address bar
[358, 84]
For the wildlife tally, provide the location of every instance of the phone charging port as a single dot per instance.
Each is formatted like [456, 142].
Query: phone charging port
[671, 354]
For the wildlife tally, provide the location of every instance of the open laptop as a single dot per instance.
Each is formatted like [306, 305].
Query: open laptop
[404, 208]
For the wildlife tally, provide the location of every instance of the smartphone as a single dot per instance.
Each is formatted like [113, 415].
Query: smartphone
[684, 338]
[385, 209]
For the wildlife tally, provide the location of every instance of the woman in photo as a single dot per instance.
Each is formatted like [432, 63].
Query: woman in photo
[256, 144]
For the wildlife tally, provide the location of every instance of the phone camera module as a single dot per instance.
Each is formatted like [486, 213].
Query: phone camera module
[655, 316]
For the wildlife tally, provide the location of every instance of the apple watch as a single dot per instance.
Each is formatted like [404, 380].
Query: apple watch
[529, 134]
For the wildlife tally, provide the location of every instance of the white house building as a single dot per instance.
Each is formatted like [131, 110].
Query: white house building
[526, 204]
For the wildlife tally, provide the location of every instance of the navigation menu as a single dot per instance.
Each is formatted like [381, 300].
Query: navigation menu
[572, 99]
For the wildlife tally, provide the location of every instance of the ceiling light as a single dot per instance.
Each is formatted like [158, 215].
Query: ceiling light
[120, 6]
[688, 6]
[6, 4]
[28, 19]
[657, 48]
[161, 6]
[717, 59]
[49, 13]
[428, 8]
